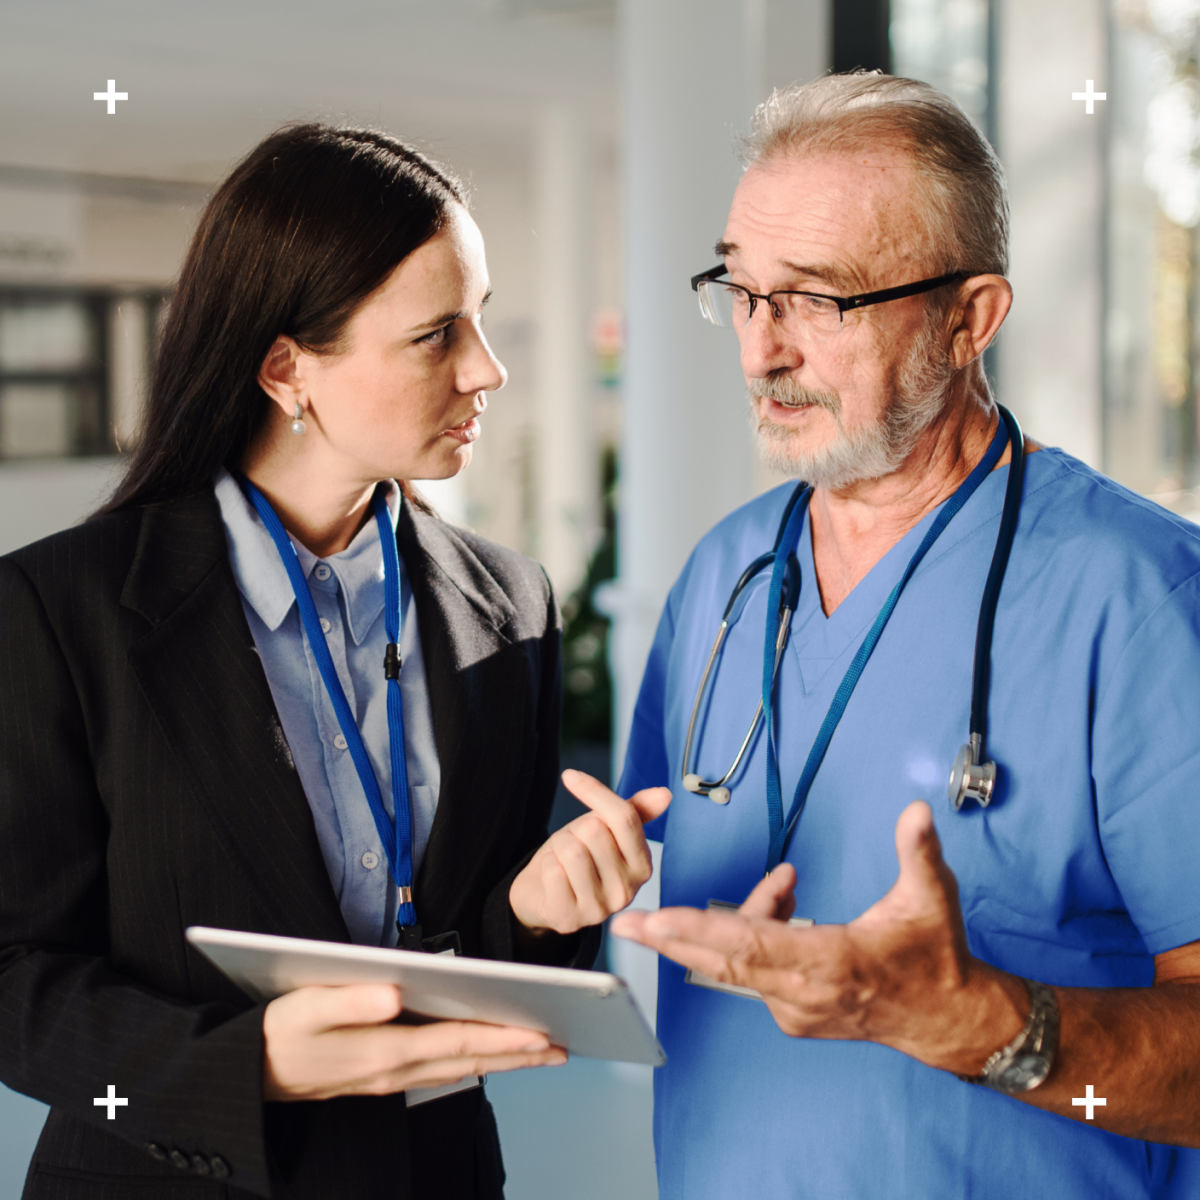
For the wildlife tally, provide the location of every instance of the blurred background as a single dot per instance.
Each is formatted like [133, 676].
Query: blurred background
[598, 140]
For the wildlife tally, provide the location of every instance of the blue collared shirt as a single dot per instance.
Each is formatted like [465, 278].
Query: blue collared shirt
[347, 589]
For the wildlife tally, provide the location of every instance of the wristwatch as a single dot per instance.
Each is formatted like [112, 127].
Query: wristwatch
[1026, 1060]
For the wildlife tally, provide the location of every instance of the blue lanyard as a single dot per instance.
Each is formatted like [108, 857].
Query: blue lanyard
[781, 831]
[396, 836]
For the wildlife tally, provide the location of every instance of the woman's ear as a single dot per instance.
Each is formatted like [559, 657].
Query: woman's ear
[281, 375]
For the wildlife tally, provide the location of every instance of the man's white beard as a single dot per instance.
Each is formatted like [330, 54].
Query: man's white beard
[922, 387]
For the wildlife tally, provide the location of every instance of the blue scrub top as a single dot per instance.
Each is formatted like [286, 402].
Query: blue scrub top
[1082, 869]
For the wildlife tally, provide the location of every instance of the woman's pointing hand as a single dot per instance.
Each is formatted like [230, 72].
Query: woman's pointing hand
[592, 867]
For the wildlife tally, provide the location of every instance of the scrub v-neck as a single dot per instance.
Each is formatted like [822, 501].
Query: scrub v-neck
[817, 641]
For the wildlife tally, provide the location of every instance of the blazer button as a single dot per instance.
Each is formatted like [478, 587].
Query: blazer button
[220, 1168]
[179, 1159]
[201, 1165]
[156, 1151]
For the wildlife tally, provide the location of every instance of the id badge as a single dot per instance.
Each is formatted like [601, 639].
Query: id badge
[704, 981]
[442, 943]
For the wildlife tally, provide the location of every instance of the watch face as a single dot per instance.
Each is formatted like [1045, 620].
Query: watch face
[1024, 1072]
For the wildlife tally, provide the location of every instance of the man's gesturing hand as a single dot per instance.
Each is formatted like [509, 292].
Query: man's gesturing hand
[899, 974]
[592, 867]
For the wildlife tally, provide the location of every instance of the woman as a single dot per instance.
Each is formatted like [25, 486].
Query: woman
[173, 750]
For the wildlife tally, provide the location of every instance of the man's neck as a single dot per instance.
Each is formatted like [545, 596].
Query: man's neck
[854, 527]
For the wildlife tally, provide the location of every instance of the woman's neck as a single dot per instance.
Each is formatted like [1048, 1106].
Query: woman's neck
[319, 508]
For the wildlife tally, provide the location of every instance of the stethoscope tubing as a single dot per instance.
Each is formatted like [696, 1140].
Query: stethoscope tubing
[709, 785]
[705, 787]
[982, 670]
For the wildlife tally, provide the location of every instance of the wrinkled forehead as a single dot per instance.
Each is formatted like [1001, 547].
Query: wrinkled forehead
[859, 217]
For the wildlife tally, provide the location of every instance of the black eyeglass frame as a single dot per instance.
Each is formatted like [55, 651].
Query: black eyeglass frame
[845, 303]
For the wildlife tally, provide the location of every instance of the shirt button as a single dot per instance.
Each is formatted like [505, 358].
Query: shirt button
[179, 1159]
[322, 571]
[370, 860]
[340, 742]
[325, 626]
[156, 1151]
[220, 1168]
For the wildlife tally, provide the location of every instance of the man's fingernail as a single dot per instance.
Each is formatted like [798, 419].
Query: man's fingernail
[537, 1044]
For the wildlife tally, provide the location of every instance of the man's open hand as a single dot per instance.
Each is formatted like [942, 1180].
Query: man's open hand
[900, 974]
[592, 867]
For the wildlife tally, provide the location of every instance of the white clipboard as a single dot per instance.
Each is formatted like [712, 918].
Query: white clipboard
[588, 1013]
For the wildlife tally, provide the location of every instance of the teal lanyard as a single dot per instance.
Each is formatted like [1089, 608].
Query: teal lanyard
[781, 831]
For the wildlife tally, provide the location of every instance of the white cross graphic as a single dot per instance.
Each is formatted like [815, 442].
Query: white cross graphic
[112, 96]
[111, 1101]
[1089, 1101]
[1090, 97]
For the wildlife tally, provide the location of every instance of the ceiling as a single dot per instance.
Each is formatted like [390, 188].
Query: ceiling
[206, 81]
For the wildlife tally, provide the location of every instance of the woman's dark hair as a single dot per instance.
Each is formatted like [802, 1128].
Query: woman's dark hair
[303, 231]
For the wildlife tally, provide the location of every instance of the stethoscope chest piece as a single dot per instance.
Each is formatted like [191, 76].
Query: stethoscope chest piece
[970, 779]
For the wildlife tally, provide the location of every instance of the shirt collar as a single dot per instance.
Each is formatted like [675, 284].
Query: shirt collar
[263, 580]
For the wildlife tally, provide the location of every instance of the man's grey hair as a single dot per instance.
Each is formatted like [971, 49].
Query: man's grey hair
[961, 179]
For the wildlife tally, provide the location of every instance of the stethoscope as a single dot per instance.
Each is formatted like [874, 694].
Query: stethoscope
[972, 777]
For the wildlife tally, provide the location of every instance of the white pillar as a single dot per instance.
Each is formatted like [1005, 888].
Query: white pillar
[799, 41]
[127, 360]
[448, 497]
[566, 468]
[1050, 348]
[692, 73]
[689, 70]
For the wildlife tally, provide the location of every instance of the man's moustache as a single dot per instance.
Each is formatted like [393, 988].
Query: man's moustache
[791, 395]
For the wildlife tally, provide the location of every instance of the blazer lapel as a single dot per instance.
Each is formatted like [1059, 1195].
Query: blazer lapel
[201, 674]
[479, 695]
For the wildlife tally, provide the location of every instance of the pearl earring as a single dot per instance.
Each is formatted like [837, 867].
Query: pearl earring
[298, 426]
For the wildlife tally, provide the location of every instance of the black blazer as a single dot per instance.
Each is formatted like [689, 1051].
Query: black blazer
[146, 785]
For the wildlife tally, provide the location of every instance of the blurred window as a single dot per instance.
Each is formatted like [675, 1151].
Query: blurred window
[951, 45]
[56, 371]
[947, 43]
[1152, 433]
[53, 390]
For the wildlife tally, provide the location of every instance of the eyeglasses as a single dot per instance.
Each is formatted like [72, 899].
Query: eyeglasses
[804, 313]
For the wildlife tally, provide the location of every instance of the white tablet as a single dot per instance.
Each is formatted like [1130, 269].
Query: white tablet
[588, 1013]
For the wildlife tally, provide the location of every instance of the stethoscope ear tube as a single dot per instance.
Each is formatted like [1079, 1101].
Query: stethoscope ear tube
[715, 789]
[763, 560]
[973, 777]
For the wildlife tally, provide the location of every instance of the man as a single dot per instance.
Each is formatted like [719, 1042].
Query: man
[897, 1032]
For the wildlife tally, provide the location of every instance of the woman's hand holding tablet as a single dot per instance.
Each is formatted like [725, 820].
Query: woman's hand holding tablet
[592, 867]
[320, 1042]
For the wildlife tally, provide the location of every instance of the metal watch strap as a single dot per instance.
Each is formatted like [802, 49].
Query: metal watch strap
[1034, 1045]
